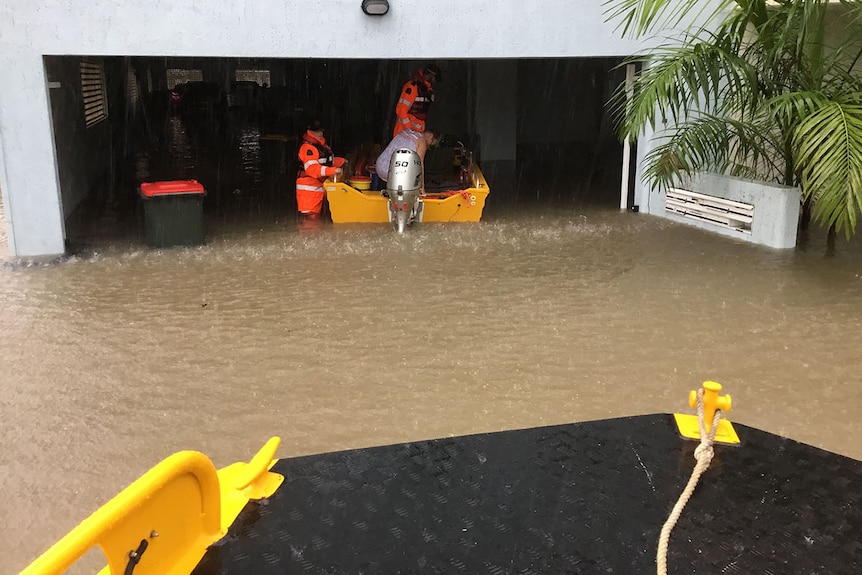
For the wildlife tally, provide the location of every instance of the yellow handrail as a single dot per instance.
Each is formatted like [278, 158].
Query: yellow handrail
[165, 521]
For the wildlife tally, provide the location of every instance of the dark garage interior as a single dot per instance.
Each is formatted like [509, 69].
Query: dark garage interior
[233, 125]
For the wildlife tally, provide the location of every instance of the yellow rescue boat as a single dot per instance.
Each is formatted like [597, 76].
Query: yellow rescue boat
[443, 202]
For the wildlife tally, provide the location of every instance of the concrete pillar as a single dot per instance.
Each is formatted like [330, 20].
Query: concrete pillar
[28, 168]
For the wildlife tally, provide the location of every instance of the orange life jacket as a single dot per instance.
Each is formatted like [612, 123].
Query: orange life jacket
[318, 163]
[413, 104]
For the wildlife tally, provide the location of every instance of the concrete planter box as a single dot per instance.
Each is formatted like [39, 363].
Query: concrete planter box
[749, 210]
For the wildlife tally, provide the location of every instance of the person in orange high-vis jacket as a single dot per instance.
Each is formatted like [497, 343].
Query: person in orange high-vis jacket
[318, 163]
[415, 100]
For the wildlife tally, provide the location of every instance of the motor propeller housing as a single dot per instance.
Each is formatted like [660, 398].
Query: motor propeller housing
[403, 188]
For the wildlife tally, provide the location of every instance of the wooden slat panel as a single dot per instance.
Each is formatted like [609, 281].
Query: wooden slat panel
[710, 209]
[731, 225]
[713, 204]
[716, 199]
[696, 206]
[724, 217]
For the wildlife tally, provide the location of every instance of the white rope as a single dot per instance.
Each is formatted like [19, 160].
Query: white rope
[703, 454]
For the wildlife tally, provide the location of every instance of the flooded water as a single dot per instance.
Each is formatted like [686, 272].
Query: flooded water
[353, 336]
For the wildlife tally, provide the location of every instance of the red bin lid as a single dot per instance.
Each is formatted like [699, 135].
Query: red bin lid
[174, 187]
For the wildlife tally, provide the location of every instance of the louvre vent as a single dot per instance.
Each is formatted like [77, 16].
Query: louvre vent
[93, 92]
[718, 211]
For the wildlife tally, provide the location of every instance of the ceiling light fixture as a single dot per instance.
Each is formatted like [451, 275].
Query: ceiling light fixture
[375, 7]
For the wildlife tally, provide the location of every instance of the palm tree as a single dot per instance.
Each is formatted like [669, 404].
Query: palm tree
[754, 90]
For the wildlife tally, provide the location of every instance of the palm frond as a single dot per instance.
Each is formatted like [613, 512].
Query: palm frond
[755, 149]
[640, 17]
[700, 76]
[792, 106]
[829, 141]
[698, 144]
[713, 144]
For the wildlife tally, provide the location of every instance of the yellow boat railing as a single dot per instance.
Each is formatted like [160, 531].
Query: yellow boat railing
[164, 522]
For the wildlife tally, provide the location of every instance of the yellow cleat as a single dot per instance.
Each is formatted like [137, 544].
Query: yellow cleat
[689, 425]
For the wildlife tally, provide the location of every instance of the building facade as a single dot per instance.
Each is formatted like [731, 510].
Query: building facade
[44, 164]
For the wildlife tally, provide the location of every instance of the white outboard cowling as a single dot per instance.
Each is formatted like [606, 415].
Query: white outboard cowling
[403, 187]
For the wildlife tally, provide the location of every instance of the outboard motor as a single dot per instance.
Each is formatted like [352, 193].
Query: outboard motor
[403, 187]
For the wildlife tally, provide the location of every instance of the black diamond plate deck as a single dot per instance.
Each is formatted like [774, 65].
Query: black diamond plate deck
[579, 498]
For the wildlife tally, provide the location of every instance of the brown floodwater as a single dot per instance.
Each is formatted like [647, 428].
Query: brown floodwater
[353, 336]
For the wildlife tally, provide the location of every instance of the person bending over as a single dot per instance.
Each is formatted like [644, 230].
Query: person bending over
[418, 142]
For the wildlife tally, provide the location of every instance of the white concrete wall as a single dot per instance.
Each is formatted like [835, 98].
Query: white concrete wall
[418, 29]
[28, 177]
[312, 28]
